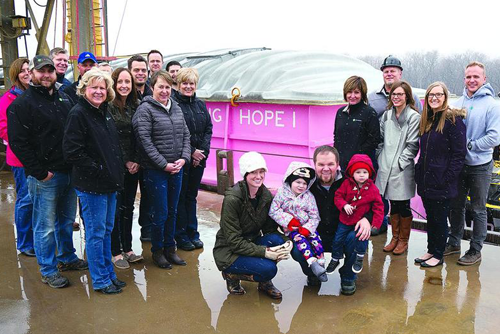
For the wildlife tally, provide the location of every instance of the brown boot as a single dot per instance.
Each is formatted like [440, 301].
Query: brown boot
[404, 235]
[233, 285]
[269, 289]
[395, 223]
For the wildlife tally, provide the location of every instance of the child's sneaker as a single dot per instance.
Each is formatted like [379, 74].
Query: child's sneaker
[334, 263]
[358, 264]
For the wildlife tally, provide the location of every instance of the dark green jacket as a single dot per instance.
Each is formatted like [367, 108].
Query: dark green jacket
[241, 225]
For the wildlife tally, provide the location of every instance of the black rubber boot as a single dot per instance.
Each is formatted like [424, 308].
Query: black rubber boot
[160, 260]
[172, 257]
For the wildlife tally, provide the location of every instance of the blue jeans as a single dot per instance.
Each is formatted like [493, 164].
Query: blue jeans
[437, 225]
[474, 181]
[23, 211]
[163, 189]
[346, 273]
[340, 239]
[187, 222]
[99, 216]
[262, 269]
[54, 211]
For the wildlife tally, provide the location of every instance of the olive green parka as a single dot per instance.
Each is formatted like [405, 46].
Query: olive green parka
[241, 225]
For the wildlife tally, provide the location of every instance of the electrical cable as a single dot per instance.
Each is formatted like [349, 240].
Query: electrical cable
[39, 4]
[120, 28]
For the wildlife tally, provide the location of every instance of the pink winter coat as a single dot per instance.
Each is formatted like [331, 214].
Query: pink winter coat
[365, 198]
[286, 205]
[5, 102]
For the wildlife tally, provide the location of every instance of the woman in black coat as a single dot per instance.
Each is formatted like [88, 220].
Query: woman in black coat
[200, 127]
[442, 156]
[97, 172]
[357, 129]
[122, 109]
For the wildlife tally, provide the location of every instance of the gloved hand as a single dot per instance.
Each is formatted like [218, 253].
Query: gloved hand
[285, 246]
[271, 254]
[294, 224]
[282, 250]
[304, 231]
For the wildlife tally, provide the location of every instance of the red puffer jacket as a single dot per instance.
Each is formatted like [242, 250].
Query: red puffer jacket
[364, 198]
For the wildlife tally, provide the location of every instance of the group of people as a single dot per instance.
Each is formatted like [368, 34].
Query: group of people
[157, 136]
[337, 204]
[92, 142]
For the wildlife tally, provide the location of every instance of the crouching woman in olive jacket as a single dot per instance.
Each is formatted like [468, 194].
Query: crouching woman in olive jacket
[244, 244]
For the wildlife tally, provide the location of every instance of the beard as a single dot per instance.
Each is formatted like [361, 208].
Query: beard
[44, 83]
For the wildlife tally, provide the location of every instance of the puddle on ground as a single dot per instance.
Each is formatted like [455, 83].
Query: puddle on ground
[393, 295]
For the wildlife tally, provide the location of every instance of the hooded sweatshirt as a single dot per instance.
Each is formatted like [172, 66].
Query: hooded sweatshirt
[482, 123]
[364, 198]
[286, 205]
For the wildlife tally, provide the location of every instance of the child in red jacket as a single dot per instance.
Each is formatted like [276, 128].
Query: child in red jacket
[357, 195]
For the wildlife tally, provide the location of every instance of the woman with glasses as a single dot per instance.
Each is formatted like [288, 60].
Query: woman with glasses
[396, 153]
[442, 156]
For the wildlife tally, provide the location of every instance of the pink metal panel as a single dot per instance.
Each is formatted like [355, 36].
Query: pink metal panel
[281, 132]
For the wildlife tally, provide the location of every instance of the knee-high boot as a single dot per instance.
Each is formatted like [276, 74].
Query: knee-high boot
[404, 235]
[395, 223]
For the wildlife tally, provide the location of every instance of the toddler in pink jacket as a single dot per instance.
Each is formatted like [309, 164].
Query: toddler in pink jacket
[294, 209]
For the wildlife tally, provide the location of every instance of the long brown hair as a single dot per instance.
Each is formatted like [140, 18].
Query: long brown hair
[131, 97]
[408, 93]
[429, 115]
[16, 68]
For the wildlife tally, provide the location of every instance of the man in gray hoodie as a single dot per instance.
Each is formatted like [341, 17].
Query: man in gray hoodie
[483, 126]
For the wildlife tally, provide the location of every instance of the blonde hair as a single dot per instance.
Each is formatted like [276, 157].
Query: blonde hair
[98, 76]
[188, 74]
[478, 64]
[429, 115]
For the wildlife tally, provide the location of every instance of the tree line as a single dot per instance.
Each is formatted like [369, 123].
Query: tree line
[421, 69]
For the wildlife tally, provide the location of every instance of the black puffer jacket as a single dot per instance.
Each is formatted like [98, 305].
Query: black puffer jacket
[123, 122]
[198, 121]
[357, 131]
[35, 123]
[91, 144]
[162, 135]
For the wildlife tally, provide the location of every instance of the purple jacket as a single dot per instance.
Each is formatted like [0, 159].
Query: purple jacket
[442, 156]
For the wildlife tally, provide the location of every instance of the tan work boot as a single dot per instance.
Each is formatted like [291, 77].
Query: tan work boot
[404, 235]
[395, 223]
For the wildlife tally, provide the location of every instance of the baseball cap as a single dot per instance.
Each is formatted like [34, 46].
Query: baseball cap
[40, 61]
[86, 55]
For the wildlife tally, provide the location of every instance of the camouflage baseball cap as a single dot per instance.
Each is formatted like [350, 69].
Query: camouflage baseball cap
[40, 61]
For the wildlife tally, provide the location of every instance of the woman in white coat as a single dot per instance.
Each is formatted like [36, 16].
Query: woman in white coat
[396, 153]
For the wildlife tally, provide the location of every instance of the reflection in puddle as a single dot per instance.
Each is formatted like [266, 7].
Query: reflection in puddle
[140, 282]
[393, 295]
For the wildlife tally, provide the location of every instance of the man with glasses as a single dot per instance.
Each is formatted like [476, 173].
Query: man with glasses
[392, 71]
[483, 126]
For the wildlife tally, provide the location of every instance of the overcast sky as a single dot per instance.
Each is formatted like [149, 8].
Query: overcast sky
[360, 27]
